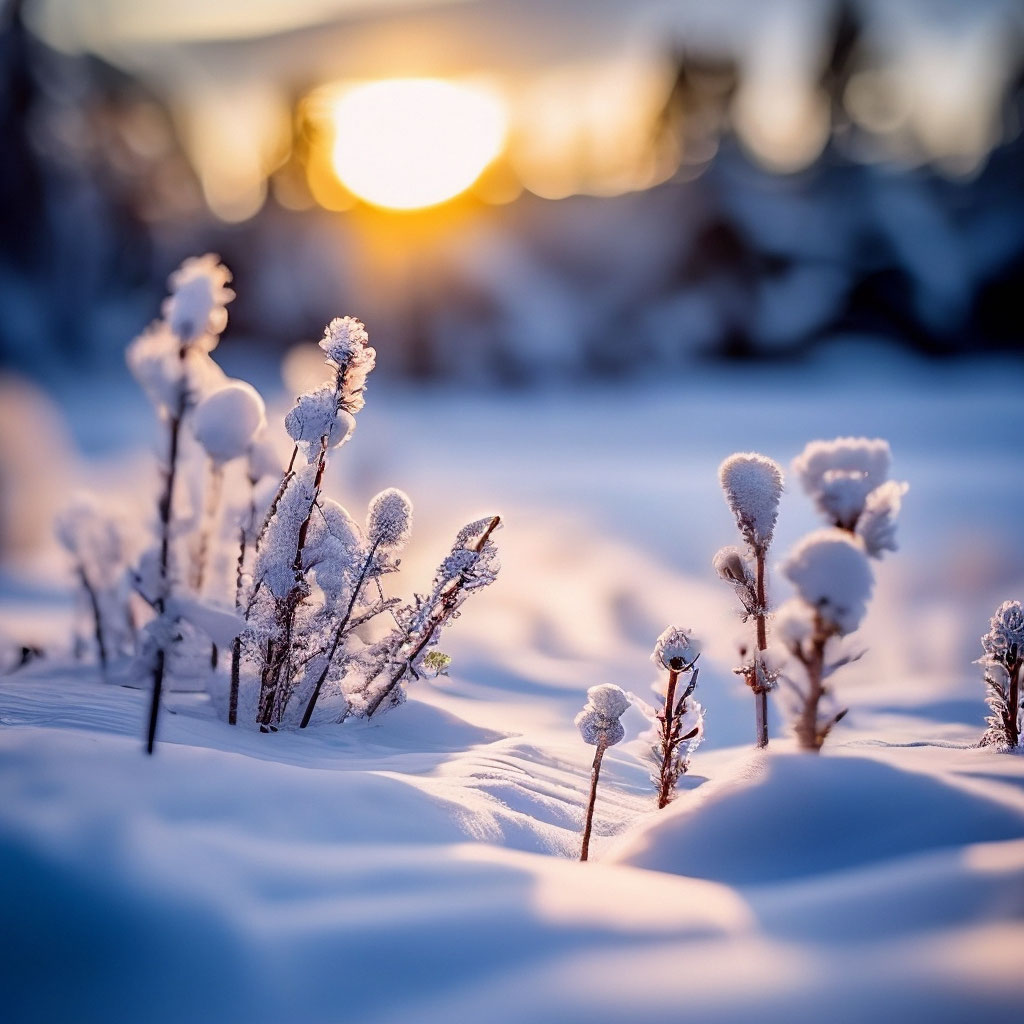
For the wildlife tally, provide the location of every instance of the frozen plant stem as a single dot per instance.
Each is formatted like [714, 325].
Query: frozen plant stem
[164, 510]
[809, 733]
[214, 486]
[338, 635]
[670, 735]
[97, 618]
[595, 774]
[760, 693]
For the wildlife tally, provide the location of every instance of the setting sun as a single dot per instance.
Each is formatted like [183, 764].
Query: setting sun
[407, 143]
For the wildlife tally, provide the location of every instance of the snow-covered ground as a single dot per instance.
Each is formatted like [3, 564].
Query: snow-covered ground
[423, 868]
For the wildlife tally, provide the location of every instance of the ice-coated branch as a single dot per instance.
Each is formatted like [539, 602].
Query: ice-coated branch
[471, 564]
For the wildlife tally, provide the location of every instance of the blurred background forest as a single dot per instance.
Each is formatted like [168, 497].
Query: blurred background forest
[642, 184]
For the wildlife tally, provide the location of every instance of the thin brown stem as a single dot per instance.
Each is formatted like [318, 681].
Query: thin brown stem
[1013, 706]
[97, 618]
[214, 486]
[595, 774]
[665, 789]
[760, 693]
[164, 508]
[338, 634]
[808, 734]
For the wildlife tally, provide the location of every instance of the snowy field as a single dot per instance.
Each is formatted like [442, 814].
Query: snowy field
[423, 868]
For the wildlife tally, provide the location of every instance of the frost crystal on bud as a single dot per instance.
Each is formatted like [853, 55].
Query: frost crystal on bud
[1004, 641]
[831, 573]
[346, 344]
[389, 519]
[753, 486]
[598, 722]
[675, 649]
[731, 566]
[876, 525]
[196, 310]
[316, 415]
[227, 420]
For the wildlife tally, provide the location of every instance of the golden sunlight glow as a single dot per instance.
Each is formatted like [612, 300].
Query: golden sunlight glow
[406, 143]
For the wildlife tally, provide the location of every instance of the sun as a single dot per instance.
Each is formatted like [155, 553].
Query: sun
[407, 143]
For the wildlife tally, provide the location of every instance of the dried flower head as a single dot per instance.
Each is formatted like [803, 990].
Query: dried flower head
[753, 486]
[389, 519]
[831, 574]
[675, 649]
[598, 722]
[840, 474]
[196, 310]
[1004, 641]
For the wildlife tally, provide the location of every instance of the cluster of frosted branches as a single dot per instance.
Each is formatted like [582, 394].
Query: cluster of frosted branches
[752, 484]
[1003, 647]
[831, 572]
[256, 559]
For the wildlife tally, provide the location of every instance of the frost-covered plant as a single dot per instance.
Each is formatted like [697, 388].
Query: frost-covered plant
[308, 590]
[225, 424]
[1003, 647]
[848, 480]
[95, 542]
[752, 484]
[678, 724]
[833, 580]
[172, 364]
[599, 726]
[316, 586]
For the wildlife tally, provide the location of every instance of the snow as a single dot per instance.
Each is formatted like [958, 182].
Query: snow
[226, 421]
[423, 868]
[753, 486]
[674, 644]
[831, 574]
[196, 310]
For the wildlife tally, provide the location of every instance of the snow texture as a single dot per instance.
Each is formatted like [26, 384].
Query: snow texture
[196, 310]
[316, 415]
[226, 421]
[832, 575]
[675, 649]
[753, 486]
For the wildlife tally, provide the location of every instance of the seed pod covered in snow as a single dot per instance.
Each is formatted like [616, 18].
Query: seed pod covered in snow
[196, 310]
[598, 722]
[753, 486]
[675, 649]
[226, 421]
[316, 415]
[831, 574]
[389, 519]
